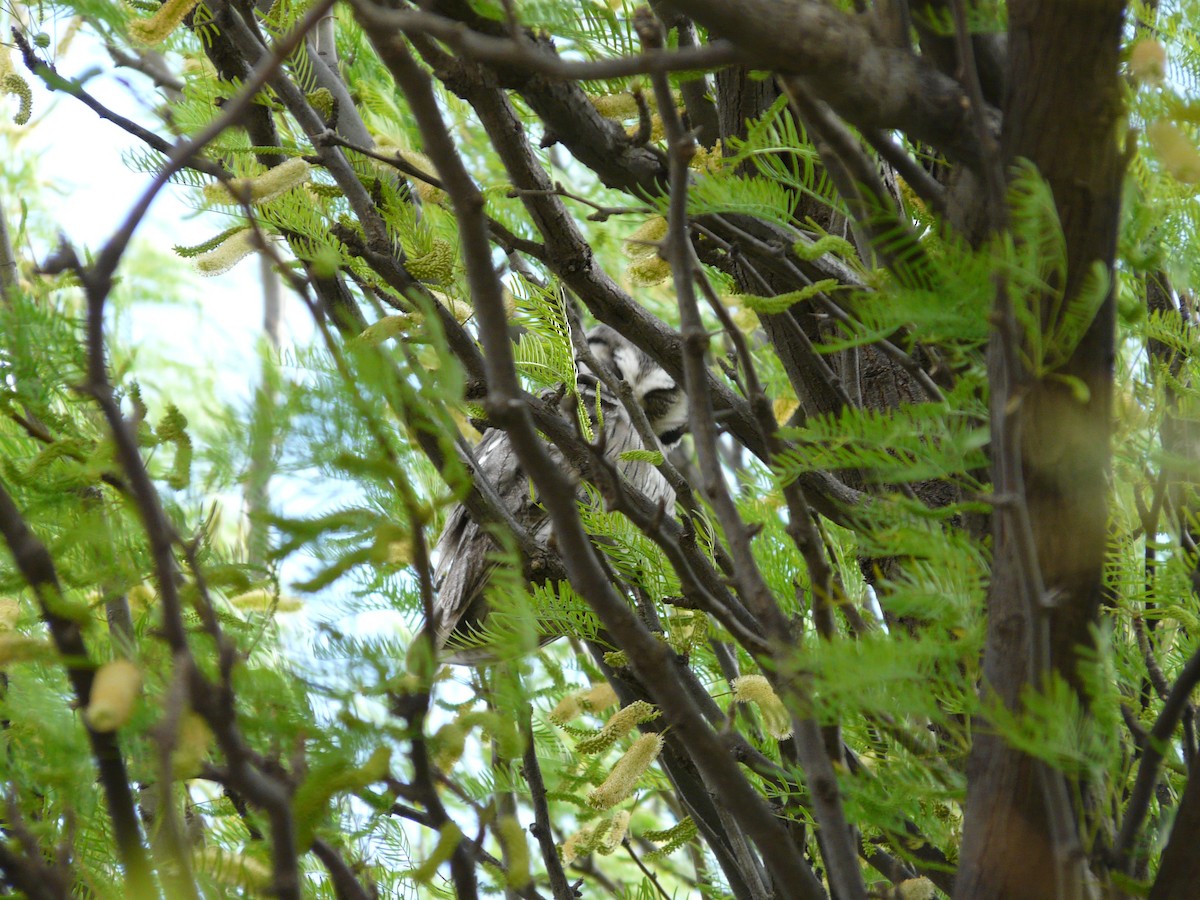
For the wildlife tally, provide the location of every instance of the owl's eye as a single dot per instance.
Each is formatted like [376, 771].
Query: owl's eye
[659, 401]
[674, 436]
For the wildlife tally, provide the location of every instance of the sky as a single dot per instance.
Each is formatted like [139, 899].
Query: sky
[211, 331]
[81, 154]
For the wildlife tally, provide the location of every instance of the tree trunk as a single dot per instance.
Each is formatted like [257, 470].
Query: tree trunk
[1061, 113]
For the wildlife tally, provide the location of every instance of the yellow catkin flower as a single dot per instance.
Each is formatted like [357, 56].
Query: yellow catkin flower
[745, 318]
[13, 83]
[322, 101]
[568, 708]
[657, 131]
[784, 408]
[436, 266]
[598, 696]
[620, 106]
[707, 159]
[191, 746]
[399, 552]
[1148, 61]
[516, 852]
[461, 311]
[261, 188]
[10, 611]
[261, 600]
[578, 845]
[234, 869]
[616, 659]
[916, 889]
[448, 840]
[643, 242]
[620, 724]
[449, 742]
[625, 774]
[649, 271]
[232, 251]
[141, 597]
[1176, 150]
[385, 329]
[15, 648]
[591, 699]
[614, 833]
[756, 689]
[115, 689]
[419, 161]
[154, 30]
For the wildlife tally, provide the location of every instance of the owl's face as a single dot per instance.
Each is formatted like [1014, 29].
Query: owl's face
[663, 400]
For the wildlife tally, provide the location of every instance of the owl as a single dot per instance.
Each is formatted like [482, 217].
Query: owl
[463, 566]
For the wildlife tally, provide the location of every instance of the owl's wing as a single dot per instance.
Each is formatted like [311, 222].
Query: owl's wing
[620, 437]
[464, 548]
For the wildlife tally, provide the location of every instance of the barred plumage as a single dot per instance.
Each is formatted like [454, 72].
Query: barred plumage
[463, 568]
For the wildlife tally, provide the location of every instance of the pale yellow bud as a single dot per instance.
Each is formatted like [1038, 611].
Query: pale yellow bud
[400, 553]
[154, 30]
[141, 596]
[615, 832]
[516, 851]
[449, 742]
[619, 725]
[1148, 61]
[643, 242]
[232, 251]
[707, 159]
[598, 696]
[756, 689]
[385, 329]
[784, 408]
[601, 837]
[423, 164]
[10, 611]
[566, 709]
[261, 188]
[461, 311]
[191, 746]
[578, 845]
[115, 689]
[261, 600]
[15, 84]
[1176, 150]
[625, 774]
[649, 271]
[16, 648]
[916, 889]
[449, 838]
[620, 106]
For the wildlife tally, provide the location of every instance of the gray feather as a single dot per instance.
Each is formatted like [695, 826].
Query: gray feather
[463, 567]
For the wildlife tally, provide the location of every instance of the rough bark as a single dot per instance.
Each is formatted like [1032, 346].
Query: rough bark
[1062, 114]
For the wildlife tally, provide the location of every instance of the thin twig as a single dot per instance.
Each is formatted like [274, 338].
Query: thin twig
[1152, 756]
[36, 566]
[528, 55]
[541, 828]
